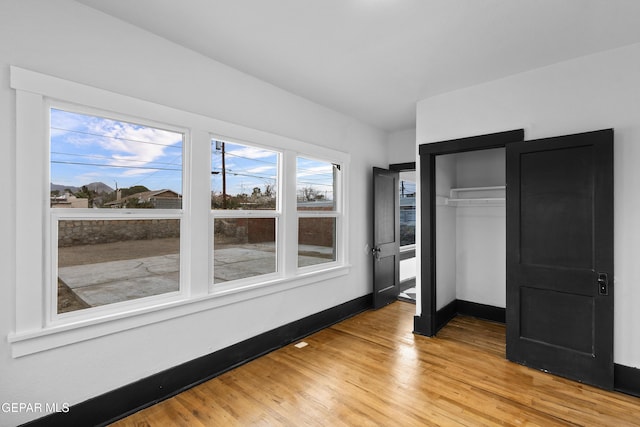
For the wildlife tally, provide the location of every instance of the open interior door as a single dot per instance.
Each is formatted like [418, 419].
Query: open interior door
[560, 255]
[386, 237]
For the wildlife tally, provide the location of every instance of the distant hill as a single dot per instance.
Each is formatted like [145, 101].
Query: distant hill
[61, 188]
[98, 187]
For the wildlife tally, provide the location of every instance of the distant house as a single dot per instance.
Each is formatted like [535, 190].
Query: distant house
[156, 199]
[68, 200]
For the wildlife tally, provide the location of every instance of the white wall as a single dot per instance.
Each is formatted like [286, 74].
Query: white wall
[64, 39]
[481, 254]
[483, 168]
[470, 239]
[481, 231]
[401, 146]
[593, 92]
[445, 231]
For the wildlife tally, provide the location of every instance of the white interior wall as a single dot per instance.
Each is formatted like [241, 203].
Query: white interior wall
[401, 146]
[68, 40]
[445, 231]
[482, 168]
[470, 239]
[481, 231]
[593, 92]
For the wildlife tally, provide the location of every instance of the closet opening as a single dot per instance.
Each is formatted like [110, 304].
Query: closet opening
[463, 229]
[470, 234]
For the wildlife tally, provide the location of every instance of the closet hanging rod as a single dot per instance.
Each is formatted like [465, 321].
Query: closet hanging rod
[495, 187]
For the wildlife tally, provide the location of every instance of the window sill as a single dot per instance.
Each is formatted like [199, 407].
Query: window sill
[30, 342]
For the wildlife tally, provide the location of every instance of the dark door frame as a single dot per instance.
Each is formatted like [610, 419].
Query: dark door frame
[427, 322]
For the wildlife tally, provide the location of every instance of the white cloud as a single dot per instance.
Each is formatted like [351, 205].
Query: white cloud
[261, 169]
[323, 169]
[136, 146]
[250, 152]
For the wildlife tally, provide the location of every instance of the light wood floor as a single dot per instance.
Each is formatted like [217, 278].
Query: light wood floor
[371, 370]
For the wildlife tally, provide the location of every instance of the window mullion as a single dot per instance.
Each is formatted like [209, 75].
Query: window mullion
[289, 221]
[197, 221]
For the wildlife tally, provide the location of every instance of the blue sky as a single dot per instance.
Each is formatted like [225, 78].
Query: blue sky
[87, 149]
[248, 167]
[315, 174]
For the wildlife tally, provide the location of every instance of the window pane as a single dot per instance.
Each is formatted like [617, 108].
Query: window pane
[243, 177]
[102, 163]
[407, 210]
[107, 261]
[315, 184]
[243, 247]
[316, 241]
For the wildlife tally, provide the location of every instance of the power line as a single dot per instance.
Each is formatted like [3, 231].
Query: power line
[315, 183]
[113, 166]
[93, 156]
[148, 176]
[231, 172]
[248, 158]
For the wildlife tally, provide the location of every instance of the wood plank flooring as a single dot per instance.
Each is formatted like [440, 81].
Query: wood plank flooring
[371, 370]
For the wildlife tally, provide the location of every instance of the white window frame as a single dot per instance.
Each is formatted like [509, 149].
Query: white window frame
[52, 317]
[35, 329]
[248, 282]
[287, 216]
[336, 213]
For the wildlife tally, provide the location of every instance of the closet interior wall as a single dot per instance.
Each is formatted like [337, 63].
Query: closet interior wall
[471, 228]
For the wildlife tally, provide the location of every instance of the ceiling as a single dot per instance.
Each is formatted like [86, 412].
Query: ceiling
[374, 59]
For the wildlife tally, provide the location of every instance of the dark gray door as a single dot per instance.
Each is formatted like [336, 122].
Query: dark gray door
[560, 255]
[386, 237]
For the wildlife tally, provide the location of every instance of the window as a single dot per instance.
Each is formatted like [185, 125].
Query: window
[244, 202]
[148, 216]
[114, 251]
[316, 184]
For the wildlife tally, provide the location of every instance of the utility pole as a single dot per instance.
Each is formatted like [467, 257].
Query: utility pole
[224, 181]
[220, 147]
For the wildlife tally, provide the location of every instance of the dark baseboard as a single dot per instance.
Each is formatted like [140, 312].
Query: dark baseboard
[468, 308]
[482, 311]
[445, 314]
[626, 380]
[126, 400]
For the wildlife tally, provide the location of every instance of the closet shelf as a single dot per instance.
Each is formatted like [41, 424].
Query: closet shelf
[477, 196]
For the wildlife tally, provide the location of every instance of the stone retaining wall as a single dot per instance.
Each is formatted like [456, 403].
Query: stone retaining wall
[311, 231]
[93, 232]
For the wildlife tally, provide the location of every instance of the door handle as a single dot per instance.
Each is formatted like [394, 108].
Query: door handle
[603, 284]
[376, 253]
